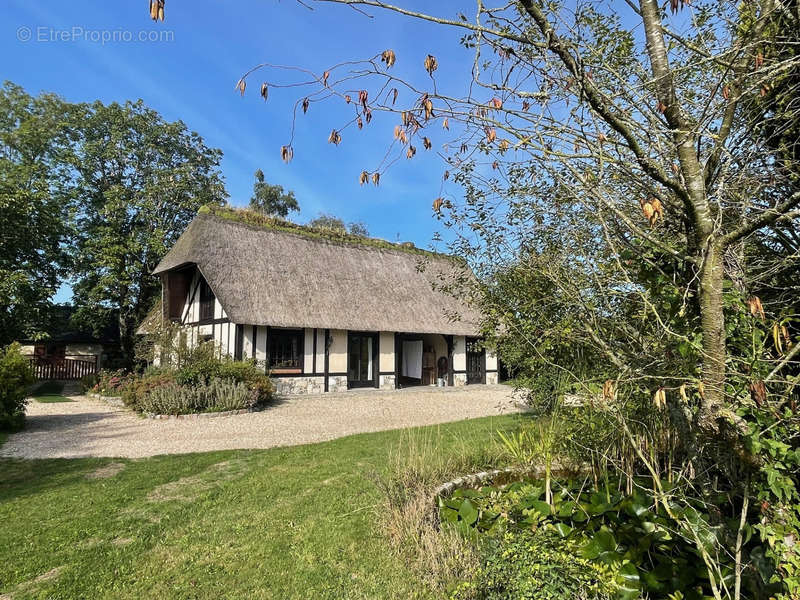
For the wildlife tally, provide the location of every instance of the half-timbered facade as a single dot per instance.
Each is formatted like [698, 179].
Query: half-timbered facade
[322, 311]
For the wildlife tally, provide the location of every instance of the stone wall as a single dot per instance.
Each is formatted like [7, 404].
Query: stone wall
[387, 382]
[337, 383]
[491, 378]
[459, 379]
[290, 386]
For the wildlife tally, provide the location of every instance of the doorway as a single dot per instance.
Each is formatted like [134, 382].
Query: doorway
[476, 361]
[362, 360]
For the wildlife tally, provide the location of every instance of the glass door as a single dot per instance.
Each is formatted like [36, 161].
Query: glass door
[476, 361]
[361, 351]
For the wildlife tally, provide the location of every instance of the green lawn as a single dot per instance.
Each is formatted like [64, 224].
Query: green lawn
[50, 391]
[296, 522]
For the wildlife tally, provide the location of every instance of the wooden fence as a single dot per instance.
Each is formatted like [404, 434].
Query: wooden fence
[67, 367]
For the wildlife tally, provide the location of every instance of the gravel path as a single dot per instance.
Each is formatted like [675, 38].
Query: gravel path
[89, 427]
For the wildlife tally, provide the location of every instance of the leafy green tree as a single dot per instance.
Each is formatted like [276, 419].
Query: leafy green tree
[34, 221]
[138, 181]
[271, 200]
[325, 221]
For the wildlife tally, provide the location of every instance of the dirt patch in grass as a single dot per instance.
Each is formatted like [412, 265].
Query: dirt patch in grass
[106, 471]
[51, 574]
[187, 489]
[121, 541]
[26, 587]
[142, 514]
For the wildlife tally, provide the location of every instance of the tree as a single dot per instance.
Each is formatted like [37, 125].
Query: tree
[270, 199]
[645, 133]
[359, 228]
[325, 221]
[35, 213]
[623, 137]
[138, 181]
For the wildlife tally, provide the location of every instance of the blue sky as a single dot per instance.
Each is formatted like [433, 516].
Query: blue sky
[193, 78]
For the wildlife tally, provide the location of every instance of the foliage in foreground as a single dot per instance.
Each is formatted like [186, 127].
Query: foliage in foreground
[643, 507]
[15, 377]
[649, 547]
[537, 565]
[418, 463]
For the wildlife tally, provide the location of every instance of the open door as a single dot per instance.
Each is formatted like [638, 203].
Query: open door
[362, 360]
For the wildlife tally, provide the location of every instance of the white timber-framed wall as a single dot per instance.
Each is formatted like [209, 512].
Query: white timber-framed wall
[324, 355]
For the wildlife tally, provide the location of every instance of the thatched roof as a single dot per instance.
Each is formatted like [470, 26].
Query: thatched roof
[271, 272]
[152, 320]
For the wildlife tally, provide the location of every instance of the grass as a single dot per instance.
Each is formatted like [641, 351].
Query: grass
[295, 522]
[257, 219]
[50, 391]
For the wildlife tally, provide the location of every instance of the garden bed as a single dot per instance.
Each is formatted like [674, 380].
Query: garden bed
[199, 384]
[117, 401]
[206, 415]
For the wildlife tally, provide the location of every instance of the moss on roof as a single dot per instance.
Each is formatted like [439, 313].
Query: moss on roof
[152, 320]
[249, 217]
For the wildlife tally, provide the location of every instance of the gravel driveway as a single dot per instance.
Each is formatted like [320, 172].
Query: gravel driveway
[89, 427]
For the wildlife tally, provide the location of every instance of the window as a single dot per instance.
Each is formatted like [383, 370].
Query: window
[238, 343]
[286, 350]
[206, 302]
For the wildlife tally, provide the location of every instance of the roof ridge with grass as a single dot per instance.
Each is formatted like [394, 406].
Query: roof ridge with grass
[255, 219]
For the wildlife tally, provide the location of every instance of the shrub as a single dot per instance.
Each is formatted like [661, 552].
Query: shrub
[111, 383]
[228, 394]
[15, 377]
[203, 381]
[199, 364]
[656, 548]
[537, 565]
[88, 382]
[202, 364]
[171, 398]
[249, 373]
[137, 389]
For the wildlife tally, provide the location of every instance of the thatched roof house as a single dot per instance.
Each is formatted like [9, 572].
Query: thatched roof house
[323, 310]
